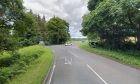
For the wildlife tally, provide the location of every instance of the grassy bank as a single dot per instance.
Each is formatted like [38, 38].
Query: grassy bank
[123, 57]
[30, 66]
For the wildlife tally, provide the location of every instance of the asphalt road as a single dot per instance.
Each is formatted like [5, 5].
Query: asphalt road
[76, 66]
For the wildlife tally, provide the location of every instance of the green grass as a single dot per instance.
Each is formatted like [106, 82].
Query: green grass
[37, 71]
[120, 56]
[4, 55]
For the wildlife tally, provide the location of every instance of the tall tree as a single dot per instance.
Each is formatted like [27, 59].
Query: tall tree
[57, 30]
[92, 4]
[10, 12]
[113, 21]
[26, 30]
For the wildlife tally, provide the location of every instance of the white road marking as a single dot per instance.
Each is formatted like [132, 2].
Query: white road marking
[68, 61]
[50, 80]
[97, 74]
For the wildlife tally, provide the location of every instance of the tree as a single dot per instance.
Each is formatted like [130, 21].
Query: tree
[57, 30]
[93, 37]
[7, 42]
[41, 27]
[26, 30]
[113, 21]
[92, 4]
[10, 12]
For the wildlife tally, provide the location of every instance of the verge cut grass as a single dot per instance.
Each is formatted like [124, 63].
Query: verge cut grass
[120, 56]
[38, 69]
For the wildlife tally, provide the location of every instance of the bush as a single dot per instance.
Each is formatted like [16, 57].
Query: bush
[30, 41]
[5, 62]
[18, 62]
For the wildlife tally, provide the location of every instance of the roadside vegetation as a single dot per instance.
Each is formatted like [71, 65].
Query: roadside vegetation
[57, 31]
[131, 58]
[79, 39]
[21, 62]
[28, 65]
[113, 29]
[113, 23]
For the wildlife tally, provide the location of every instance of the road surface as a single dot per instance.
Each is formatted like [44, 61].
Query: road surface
[76, 66]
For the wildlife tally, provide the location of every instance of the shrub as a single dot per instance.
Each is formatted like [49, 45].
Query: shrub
[18, 62]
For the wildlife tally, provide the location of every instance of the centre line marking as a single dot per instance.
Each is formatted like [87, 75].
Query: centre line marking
[68, 61]
[97, 74]
[50, 80]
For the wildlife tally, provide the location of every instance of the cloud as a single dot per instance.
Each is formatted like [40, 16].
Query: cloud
[70, 10]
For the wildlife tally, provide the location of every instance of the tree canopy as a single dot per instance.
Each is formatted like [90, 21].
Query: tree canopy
[10, 12]
[18, 27]
[113, 21]
[57, 30]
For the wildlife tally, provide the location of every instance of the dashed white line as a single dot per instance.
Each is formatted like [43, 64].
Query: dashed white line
[68, 61]
[50, 80]
[97, 74]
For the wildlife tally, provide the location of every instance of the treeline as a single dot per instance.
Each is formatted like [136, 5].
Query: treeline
[115, 22]
[20, 28]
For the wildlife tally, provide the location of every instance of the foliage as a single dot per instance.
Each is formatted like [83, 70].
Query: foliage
[93, 37]
[41, 27]
[113, 21]
[26, 30]
[10, 12]
[7, 42]
[36, 72]
[92, 4]
[128, 57]
[18, 62]
[78, 39]
[57, 30]
[17, 27]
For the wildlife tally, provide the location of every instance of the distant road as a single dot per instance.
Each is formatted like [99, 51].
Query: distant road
[75, 66]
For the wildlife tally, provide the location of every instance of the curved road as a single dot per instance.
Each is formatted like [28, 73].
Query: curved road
[76, 66]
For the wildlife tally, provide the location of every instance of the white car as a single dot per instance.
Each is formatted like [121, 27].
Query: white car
[68, 44]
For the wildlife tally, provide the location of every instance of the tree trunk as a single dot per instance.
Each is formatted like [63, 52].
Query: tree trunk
[138, 37]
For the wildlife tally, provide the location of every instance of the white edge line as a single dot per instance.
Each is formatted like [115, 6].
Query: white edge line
[97, 74]
[50, 80]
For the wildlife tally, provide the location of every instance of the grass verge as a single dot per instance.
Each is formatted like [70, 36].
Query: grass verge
[120, 56]
[29, 66]
[37, 70]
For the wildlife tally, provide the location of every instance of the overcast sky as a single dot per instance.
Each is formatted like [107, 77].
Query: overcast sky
[70, 10]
